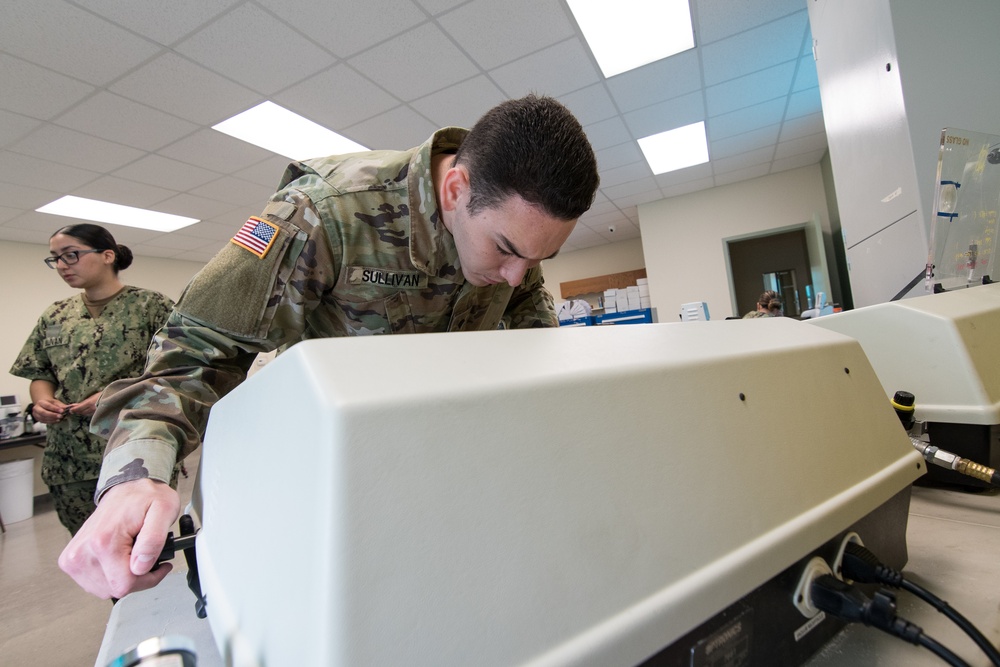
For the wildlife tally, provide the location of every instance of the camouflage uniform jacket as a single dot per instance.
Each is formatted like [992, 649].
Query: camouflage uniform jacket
[349, 245]
[81, 355]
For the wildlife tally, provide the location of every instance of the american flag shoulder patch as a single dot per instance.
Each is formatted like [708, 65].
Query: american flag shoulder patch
[257, 236]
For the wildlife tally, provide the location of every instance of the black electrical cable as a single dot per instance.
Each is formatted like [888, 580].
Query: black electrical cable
[838, 598]
[860, 564]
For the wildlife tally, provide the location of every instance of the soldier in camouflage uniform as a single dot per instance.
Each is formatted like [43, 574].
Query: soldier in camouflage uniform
[447, 236]
[768, 305]
[78, 347]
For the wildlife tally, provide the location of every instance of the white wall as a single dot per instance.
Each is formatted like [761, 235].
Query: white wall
[30, 287]
[590, 262]
[682, 237]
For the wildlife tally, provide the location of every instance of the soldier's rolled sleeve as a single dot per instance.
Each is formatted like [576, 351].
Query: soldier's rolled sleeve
[138, 459]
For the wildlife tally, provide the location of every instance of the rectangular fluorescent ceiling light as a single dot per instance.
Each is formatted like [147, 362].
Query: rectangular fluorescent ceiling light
[286, 133]
[675, 149]
[116, 214]
[625, 34]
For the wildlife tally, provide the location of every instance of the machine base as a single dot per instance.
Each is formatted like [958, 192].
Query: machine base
[764, 627]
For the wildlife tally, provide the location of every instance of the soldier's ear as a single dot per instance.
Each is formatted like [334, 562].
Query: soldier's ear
[454, 188]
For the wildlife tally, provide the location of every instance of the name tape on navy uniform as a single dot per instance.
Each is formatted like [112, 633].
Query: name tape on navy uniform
[363, 275]
[257, 236]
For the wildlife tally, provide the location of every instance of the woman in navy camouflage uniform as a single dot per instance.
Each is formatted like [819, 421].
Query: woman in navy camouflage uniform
[78, 347]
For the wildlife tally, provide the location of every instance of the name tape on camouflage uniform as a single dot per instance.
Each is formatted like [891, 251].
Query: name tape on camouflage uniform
[364, 275]
[257, 236]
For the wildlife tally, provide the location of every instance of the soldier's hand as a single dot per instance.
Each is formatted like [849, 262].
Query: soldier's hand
[49, 410]
[86, 407]
[116, 548]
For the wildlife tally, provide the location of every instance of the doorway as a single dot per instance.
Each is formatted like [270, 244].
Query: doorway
[778, 262]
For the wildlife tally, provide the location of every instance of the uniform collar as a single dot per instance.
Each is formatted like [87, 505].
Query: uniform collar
[432, 247]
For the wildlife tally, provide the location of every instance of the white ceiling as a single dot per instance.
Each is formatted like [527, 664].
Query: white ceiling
[115, 100]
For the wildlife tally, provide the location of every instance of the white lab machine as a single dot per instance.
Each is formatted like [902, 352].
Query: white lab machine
[942, 348]
[694, 311]
[11, 417]
[585, 496]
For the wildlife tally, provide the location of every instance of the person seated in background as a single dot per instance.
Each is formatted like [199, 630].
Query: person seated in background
[768, 305]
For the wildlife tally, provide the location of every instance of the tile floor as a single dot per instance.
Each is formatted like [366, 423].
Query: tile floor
[45, 618]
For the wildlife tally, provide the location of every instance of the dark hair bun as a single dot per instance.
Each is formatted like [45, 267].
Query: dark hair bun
[123, 257]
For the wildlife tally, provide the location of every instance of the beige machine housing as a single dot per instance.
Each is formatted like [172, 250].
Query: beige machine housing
[580, 496]
[942, 348]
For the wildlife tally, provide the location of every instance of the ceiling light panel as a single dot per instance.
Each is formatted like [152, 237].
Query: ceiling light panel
[281, 131]
[115, 214]
[626, 34]
[676, 149]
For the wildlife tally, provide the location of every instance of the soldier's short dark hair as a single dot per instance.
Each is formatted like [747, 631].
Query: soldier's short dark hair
[99, 238]
[533, 147]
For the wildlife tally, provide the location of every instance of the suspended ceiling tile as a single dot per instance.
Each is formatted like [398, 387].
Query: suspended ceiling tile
[164, 172]
[164, 22]
[743, 160]
[248, 46]
[686, 175]
[37, 92]
[435, 7]
[399, 129]
[415, 63]
[669, 115]
[746, 119]
[185, 89]
[807, 144]
[123, 191]
[607, 133]
[803, 103]
[742, 143]
[15, 126]
[798, 161]
[123, 121]
[66, 39]
[29, 171]
[337, 98]
[658, 81]
[192, 206]
[555, 71]
[747, 91]
[494, 33]
[719, 19]
[806, 75]
[753, 50]
[591, 104]
[802, 126]
[461, 104]
[624, 174]
[619, 156]
[216, 151]
[66, 146]
[26, 197]
[266, 172]
[236, 192]
[613, 192]
[345, 29]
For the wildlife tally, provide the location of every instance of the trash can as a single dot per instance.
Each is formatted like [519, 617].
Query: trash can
[17, 490]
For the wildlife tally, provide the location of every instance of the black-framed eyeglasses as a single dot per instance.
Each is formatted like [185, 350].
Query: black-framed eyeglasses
[69, 258]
